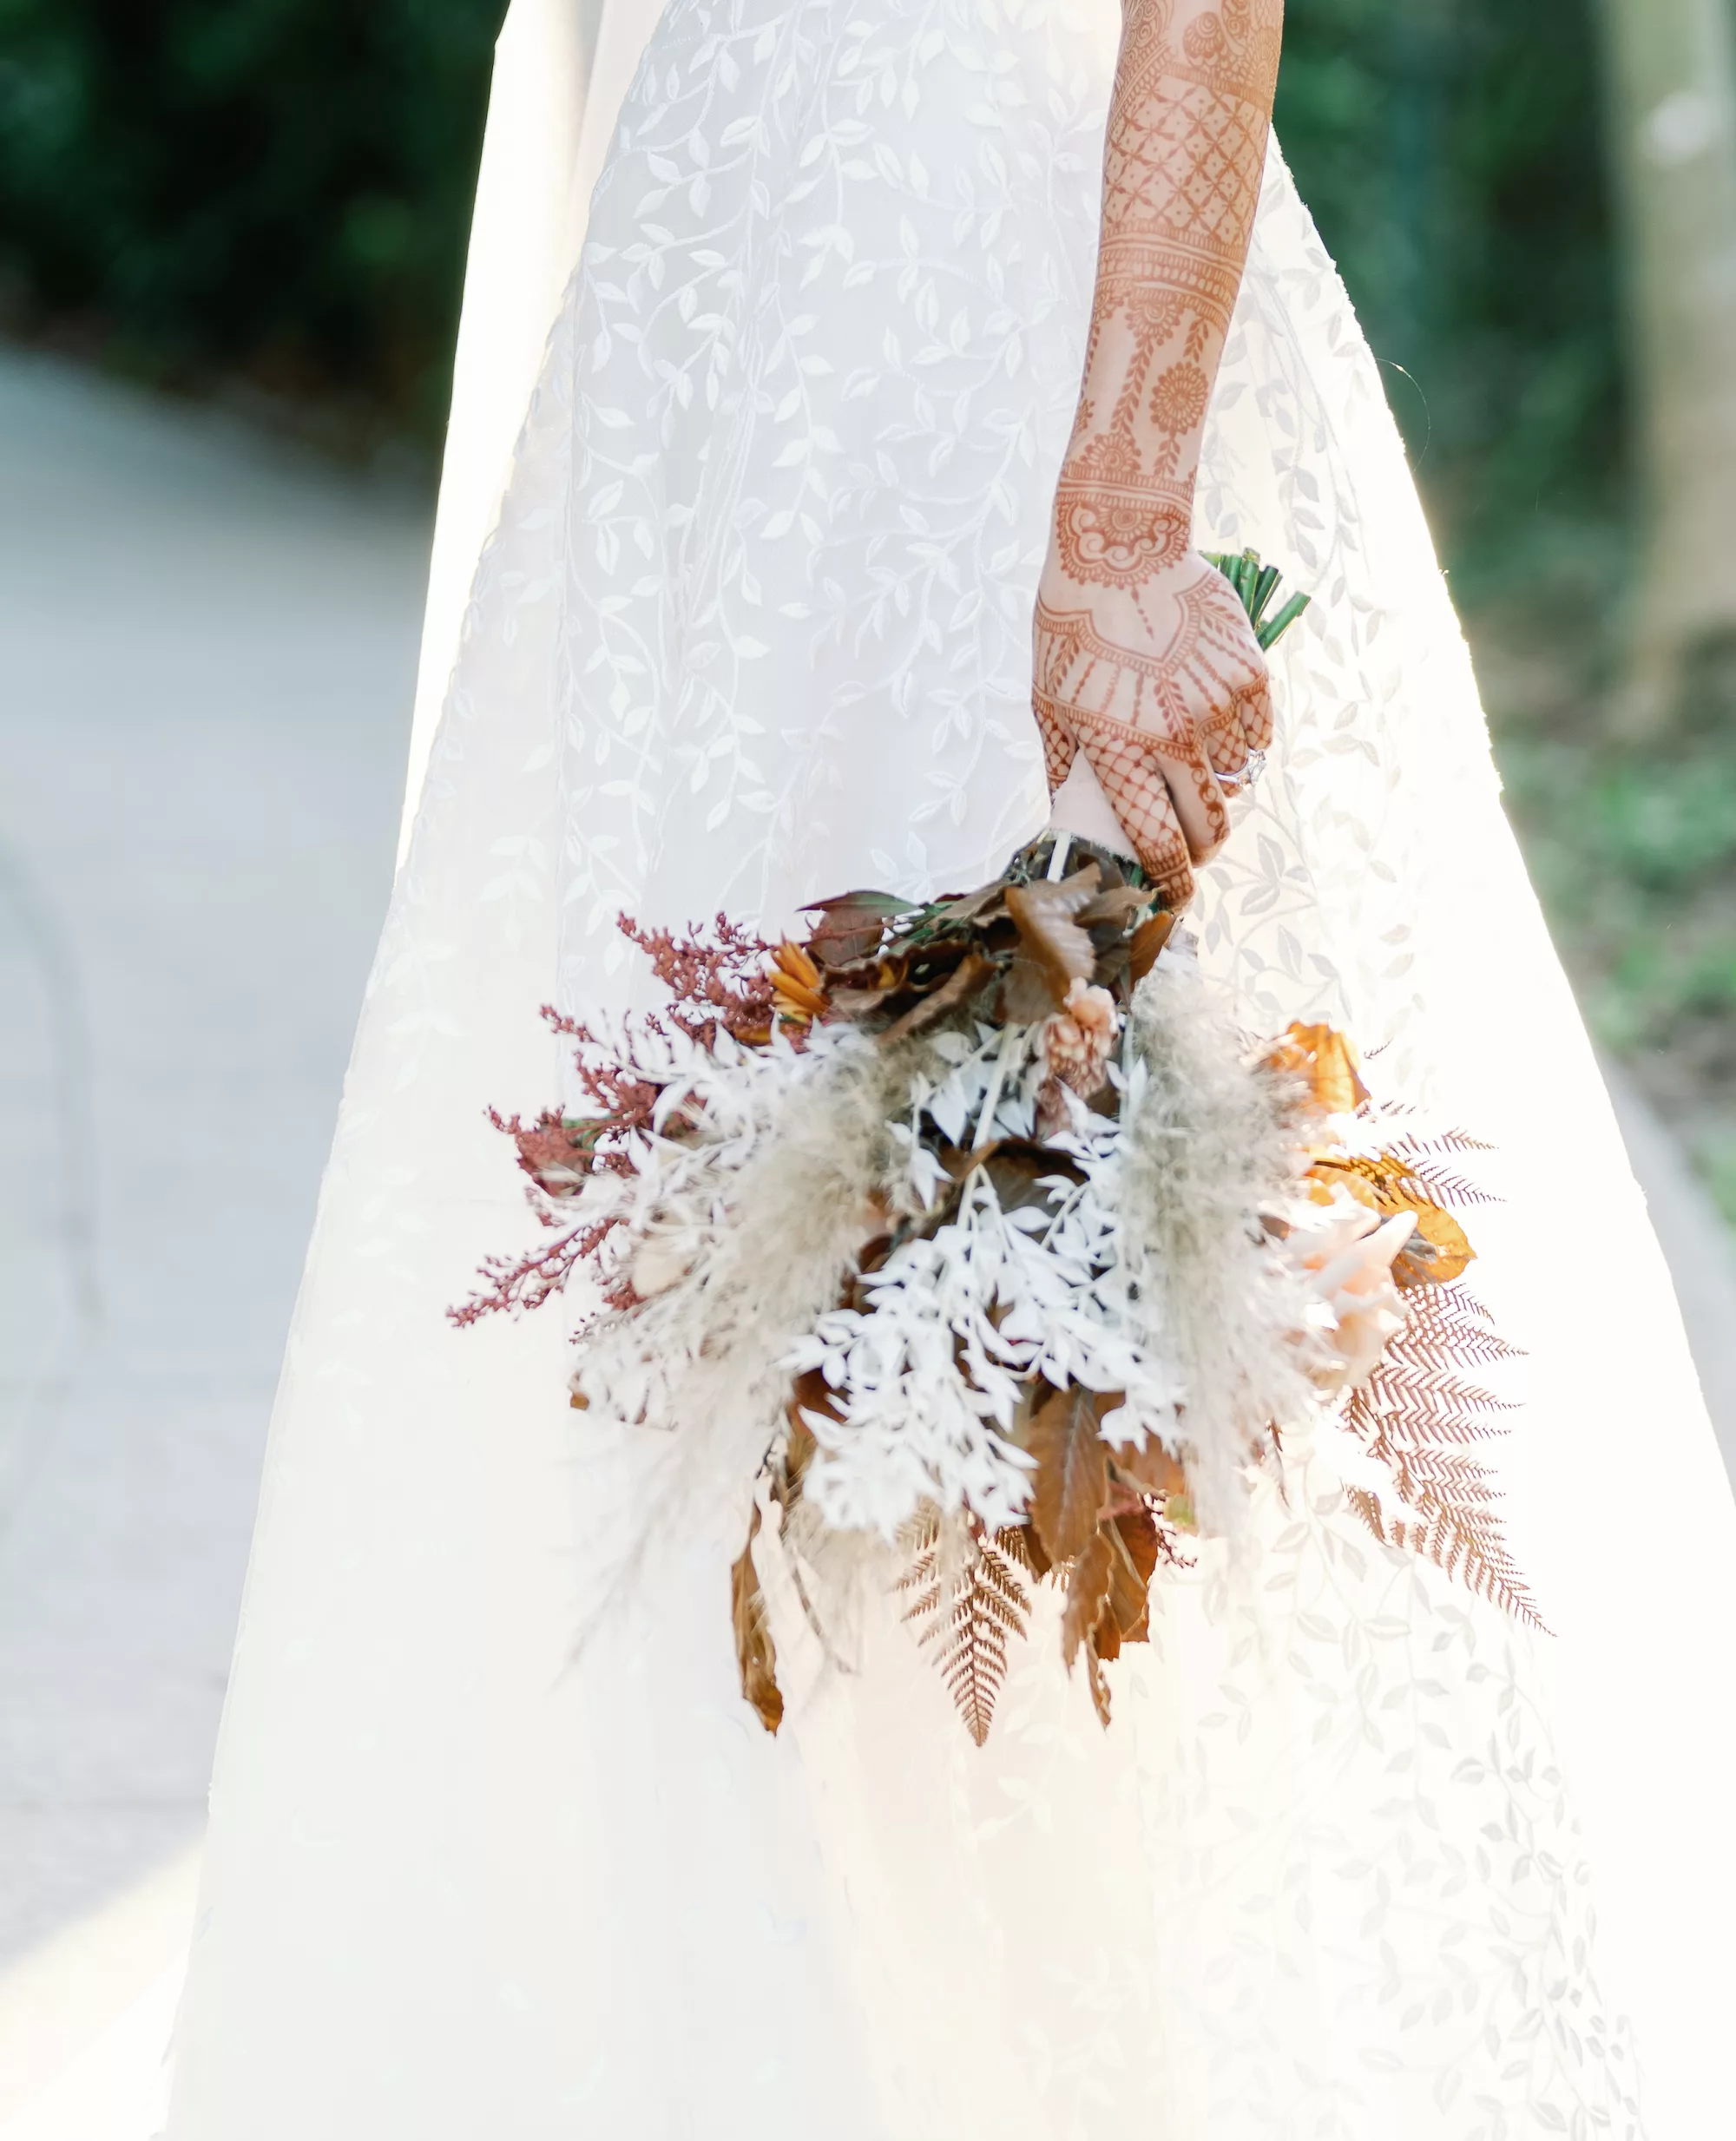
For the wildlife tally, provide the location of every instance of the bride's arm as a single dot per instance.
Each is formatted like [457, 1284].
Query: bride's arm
[1149, 684]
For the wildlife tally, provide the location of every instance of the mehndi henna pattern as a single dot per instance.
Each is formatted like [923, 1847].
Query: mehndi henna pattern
[1157, 716]
[1182, 164]
[1160, 726]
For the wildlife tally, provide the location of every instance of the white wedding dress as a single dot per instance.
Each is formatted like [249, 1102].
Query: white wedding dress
[1359, 1859]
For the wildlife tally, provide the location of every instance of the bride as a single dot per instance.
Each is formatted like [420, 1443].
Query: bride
[807, 447]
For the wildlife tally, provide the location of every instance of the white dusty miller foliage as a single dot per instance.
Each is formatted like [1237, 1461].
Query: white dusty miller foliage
[929, 1374]
[1151, 1276]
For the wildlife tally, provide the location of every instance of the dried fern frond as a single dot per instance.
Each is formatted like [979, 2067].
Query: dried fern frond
[1446, 1329]
[1410, 1170]
[1416, 1414]
[1443, 1474]
[969, 1603]
[1471, 1550]
[1428, 1176]
[1441, 1142]
[1418, 1384]
[1396, 1409]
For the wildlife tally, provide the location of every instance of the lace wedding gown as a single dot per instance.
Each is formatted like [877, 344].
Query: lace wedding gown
[753, 626]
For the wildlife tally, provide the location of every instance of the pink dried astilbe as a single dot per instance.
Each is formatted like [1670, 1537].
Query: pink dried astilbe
[620, 1102]
[717, 985]
[721, 983]
[558, 1152]
[513, 1285]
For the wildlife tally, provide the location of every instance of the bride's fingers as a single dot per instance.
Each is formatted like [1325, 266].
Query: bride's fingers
[1194, 796]
[1059, 742]
[1139, 795]
[1227, 674]
[1169, 736]
[1255, 710]
[1227, 744]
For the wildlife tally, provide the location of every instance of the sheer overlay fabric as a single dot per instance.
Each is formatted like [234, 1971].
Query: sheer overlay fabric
[1357, 1859]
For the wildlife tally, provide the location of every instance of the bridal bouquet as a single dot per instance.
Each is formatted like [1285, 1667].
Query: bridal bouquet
[975, 1229]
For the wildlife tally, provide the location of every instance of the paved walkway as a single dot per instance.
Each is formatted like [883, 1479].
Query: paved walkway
[207, 653]
[206, 657]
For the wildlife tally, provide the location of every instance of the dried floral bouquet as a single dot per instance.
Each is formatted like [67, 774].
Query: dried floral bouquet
[975, 1228]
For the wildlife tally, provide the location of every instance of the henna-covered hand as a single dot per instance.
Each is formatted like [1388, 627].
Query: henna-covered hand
[1150, 688]
[1151, 699]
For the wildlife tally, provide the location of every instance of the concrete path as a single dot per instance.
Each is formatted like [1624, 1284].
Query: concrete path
[206, 654]
[1701, 1250]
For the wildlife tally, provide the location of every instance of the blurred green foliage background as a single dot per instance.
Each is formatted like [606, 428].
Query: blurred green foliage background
[278, 190]
[274, 194]
[1451, 153]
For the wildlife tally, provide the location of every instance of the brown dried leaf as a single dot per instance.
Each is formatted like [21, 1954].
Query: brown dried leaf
[1026, 997]
[1020, 1172]
[754, 1651]
[1450, 1247]
[1152, 1467]
[1330, 1174]
[809, 1393]
[1138, 1528]
[972, 974]
[1148, 941]
[1118, 903]
[1386, 1184]
[1100, 1689]
[856, 1004]
[1133, 1540]
[1322, 1056]
[1072, 1480]
[851, 925]
[972, 906]
[843, 908]
[1088, 1594]
[1054, 951]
